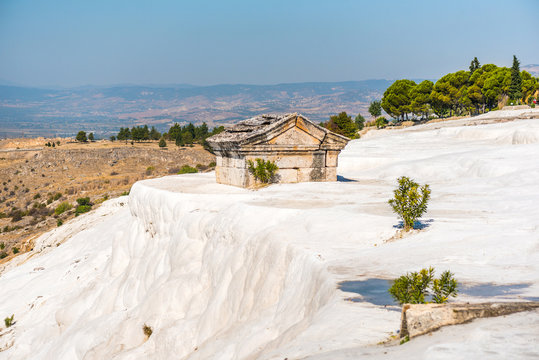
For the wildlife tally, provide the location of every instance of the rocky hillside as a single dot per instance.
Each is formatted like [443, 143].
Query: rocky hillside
[38, 182]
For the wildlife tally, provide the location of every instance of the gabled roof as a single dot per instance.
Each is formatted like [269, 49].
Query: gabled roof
[262, 128]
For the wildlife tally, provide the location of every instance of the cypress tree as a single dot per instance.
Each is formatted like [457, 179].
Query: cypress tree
[474, 65]
[515, 90]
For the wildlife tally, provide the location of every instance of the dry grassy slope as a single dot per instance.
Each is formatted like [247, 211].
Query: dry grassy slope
[30, 175]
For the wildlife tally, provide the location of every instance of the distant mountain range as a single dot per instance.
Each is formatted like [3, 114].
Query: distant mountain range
[533, 69]
[28, 111]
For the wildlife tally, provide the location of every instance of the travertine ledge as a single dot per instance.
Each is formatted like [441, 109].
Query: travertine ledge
[419, 319]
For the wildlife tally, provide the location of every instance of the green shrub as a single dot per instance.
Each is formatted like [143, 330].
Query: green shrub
[212, 164]
[15, 250]
[263, 171]
[186, 169]
[162, 143]
[408, 203]
[381, 122]
[81, 209]
[444, 287]
[2, 246]
[62, 208]
[84, 201]
[37, 196]
[416, 287]
[59, 222]
[3, 254]
[9, 321]
[57, 196]
[150, 170]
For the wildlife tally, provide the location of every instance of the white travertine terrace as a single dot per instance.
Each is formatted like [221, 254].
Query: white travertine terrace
[222, 272]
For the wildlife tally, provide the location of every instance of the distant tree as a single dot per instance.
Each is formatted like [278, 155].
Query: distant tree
[81, 136]
[420, 96]
[360, 121]
[496, 85]
[474, 65]
[396, 100]
[218, 129]
[342, 124]
[448, 93]
[91, 136]
[124, 134]
[187, 137]
[179, 141]
[529, 85]
[201, 132]
[145, 133]
[515, 91]
[375, 109]
[113, 138]
[162, 143]
[154, 134]
[174, 132]
[190, 128]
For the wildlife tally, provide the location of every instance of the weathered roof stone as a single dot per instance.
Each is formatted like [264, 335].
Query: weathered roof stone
[252, 128]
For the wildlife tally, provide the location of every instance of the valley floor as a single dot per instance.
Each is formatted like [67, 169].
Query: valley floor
[220, 272]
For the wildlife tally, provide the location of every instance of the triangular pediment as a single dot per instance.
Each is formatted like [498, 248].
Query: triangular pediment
[294, 136]
[295, 131]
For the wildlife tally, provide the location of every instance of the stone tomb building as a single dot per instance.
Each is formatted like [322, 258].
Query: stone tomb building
[302, 150]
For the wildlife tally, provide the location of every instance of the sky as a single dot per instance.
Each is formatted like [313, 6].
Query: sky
[67, 43]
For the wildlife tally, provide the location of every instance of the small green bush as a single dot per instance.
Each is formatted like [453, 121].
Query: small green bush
[263, 171]
[62, 208]
[415, 287]
[162, 143]
[381, 122]
[3, 254]
[9, 321]
[2, 246]
[408, 203]
[81, 209]
[59, 222]
[212, 164]
[186, 169]
[150, 170]
[84, 201]
[15, 250]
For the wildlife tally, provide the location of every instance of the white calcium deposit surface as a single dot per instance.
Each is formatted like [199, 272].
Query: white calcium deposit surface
[220, 272]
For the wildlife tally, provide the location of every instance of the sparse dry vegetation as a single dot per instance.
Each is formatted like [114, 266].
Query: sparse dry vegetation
[40, 184]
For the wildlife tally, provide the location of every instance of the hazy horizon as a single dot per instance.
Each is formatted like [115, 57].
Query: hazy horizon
[68, 44]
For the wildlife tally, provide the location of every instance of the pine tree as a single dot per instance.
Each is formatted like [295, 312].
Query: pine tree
[375, 109]
[515, 90]
[474, 65]
[81, 136]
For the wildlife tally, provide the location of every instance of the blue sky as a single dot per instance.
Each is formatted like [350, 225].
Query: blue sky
[73, 43]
